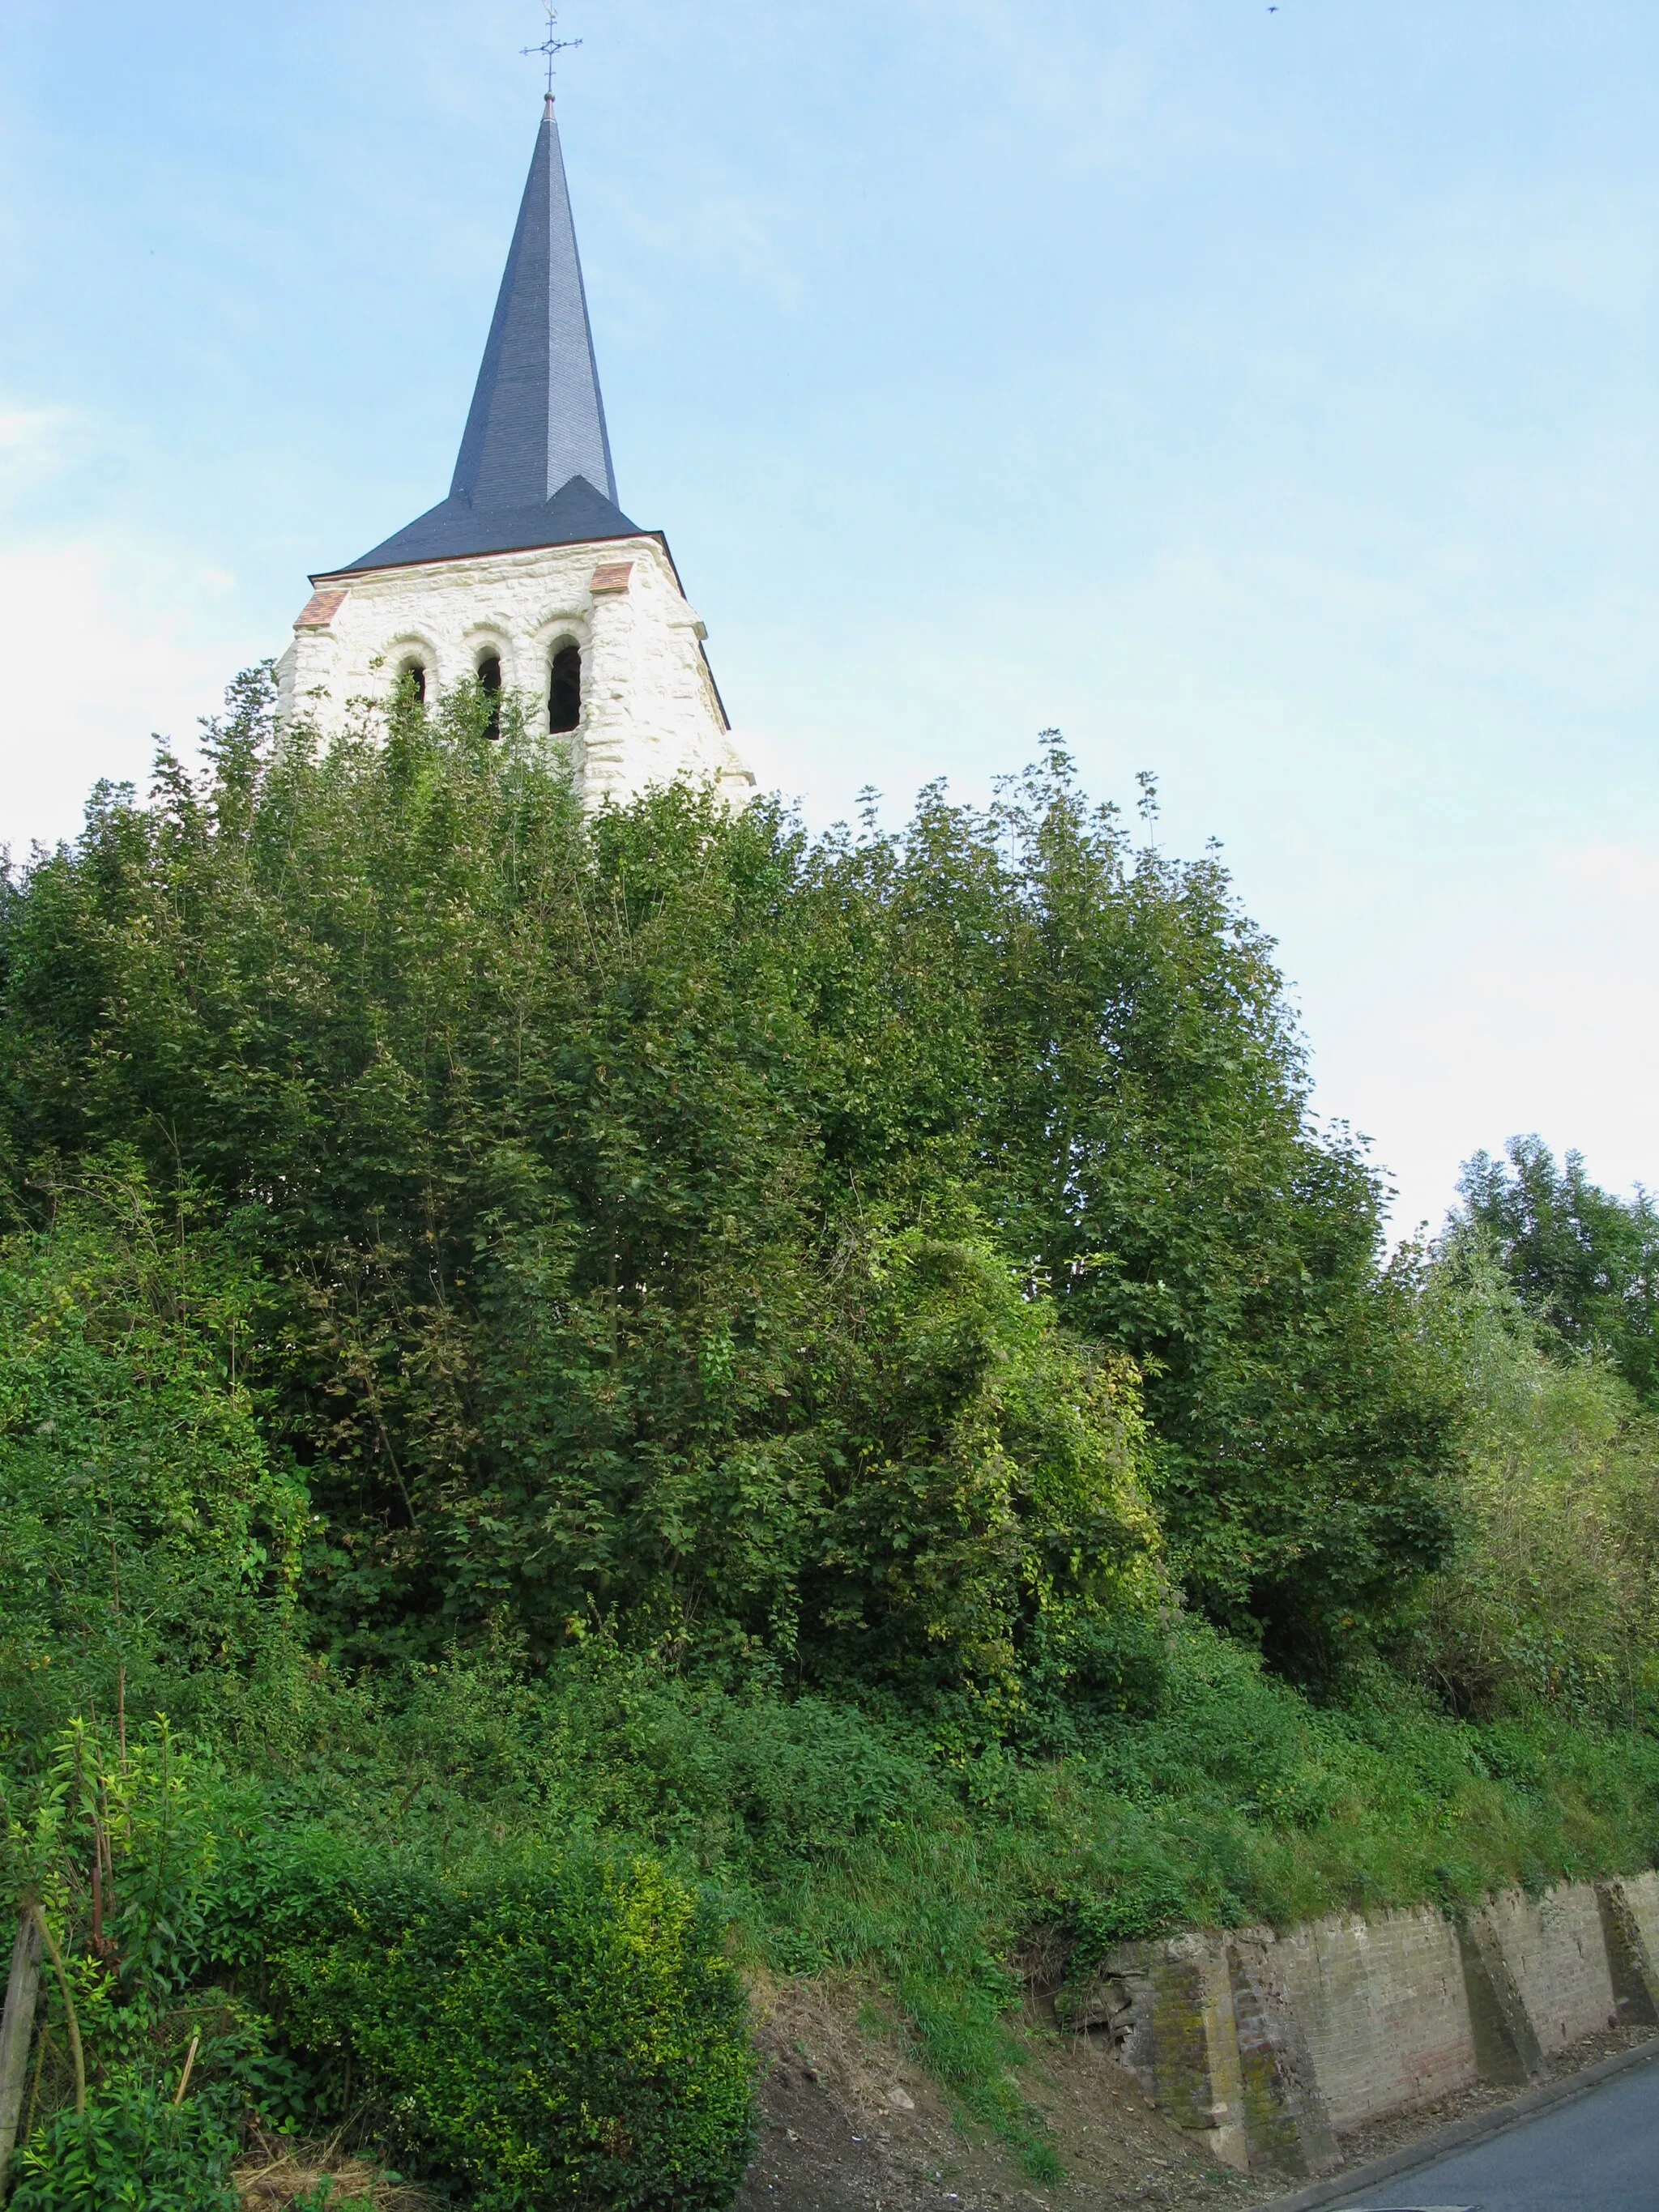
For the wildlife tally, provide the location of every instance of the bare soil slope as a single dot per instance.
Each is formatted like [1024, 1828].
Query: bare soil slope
[852, 2123]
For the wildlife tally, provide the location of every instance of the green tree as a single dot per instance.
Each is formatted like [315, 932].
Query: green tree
[757, 1239]
[1581, 1260]
[1151, 1148]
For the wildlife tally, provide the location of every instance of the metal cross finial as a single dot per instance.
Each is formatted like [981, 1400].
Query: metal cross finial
[552, 45]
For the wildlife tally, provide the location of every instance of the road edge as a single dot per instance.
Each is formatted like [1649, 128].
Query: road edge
[1460, 2135]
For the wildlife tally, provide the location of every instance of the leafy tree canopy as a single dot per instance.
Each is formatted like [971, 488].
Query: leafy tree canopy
[849, 1252]
[1580, 1259]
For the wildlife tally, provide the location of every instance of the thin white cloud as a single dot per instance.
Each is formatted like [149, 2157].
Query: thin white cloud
[1628, 871]
[31, 430]
[34, 443]
[94, 665]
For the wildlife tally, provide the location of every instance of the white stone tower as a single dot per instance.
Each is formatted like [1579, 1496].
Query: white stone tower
[529, 577]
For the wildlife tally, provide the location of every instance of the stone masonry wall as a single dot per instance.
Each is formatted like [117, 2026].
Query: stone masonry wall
[1554, 1960]
[1273, 2047]
[1384, 2008]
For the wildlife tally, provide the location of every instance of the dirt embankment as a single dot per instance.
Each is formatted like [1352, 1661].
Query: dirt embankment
[852, 2123]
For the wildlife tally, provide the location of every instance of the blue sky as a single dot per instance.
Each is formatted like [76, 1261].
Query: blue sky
[1265, 398]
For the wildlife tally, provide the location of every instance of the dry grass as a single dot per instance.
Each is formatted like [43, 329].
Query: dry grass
[277, 2172]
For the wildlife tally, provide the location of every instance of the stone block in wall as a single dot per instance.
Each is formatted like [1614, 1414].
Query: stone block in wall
[1168, 2009]
[1384, 2009]
[1115, 1999]
[1554, 1959]
[1629, 1928]
[1287, 2127]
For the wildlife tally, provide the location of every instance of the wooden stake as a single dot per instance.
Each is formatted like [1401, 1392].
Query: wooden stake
[190, 2060]
[16, 2032]
[70, 2021]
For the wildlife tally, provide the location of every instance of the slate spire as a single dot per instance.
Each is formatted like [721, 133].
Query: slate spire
[534, 467]
[536, 418]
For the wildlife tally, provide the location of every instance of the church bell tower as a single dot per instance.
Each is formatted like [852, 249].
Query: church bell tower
[529, 578]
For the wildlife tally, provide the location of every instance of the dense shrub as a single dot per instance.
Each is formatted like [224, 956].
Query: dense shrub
[119, 1843]
[133, 2151]
[149, 1546]
[549, 2026]
[1552, 1591]
[562, 2033]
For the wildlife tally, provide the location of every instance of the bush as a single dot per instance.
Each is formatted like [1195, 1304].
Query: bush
[132, 2151]
[560, 2033]
[149, 1545]
[1551, 1593]
[555, 2028]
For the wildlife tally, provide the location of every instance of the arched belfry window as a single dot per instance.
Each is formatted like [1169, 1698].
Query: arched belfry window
[564, 697]
[490, 683]
[416, 674]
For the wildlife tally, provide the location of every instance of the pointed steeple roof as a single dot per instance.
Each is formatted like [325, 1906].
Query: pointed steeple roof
[534, 467]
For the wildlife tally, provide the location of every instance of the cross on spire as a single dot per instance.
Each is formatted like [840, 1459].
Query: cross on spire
[552, 45]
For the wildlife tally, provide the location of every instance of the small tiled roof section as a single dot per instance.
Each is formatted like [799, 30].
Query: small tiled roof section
[534, 467]
[319, 610]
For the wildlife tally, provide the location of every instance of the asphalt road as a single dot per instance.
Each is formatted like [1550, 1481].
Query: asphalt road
[1598, 2154]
